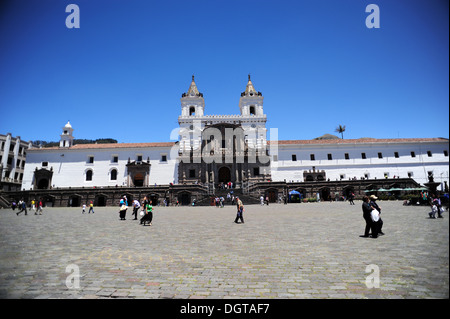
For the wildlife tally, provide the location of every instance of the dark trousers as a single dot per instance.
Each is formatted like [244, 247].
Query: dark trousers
[147, 219]
[240, 215]
[135, 210]
[24, 208]
[369, 225]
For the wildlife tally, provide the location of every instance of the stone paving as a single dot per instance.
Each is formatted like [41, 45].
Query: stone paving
[311, 250]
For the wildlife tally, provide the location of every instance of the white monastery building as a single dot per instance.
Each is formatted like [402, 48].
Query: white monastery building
[214, 149]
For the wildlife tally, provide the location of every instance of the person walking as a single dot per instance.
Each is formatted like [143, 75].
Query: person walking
[83, 210]
[123, 208]
[351, 197]
[148, 217]
[39, 207]
[91, 207]
[373, 203]
[240, 211]
[23, 207]
[367, 210]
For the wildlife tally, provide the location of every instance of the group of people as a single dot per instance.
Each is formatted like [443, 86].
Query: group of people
[146, 212]
[371, 214]
[91, 208]
[22, 205]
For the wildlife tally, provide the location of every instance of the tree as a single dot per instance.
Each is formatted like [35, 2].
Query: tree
[340, 129]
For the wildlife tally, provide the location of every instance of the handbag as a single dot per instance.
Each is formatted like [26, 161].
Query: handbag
[375, 215]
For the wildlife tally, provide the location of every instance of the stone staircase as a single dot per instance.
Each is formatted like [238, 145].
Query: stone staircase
[245, 198]
[4, 203]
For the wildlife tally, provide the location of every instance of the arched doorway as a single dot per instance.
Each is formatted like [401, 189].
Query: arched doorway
[224, 174]
[325, 194]
[43, 183]
[74, 201]
[348, 190]
[272, 194]
[154, 198]
[138, 180]
[184, 198]
[101, 200]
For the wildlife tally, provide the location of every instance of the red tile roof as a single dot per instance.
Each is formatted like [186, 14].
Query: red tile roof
[110, 145]
[283, 142]
[358, 141]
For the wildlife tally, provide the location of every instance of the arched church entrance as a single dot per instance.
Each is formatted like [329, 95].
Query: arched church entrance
[224, 174]
[43, 184]
[325, 194]
[138, 180]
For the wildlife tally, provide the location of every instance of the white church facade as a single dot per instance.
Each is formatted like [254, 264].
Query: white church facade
[217, 149]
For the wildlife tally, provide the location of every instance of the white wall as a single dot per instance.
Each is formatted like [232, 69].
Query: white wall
[70, 166]
[355, 166]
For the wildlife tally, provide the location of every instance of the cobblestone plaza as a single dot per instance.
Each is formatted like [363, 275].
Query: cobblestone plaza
[308, 250]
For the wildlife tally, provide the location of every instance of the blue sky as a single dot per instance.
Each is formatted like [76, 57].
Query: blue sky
[122, 73]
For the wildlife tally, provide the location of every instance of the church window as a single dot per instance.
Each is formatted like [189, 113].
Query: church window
[380, 155]
[396, 155]
[89, 175]
[413, 154]
[313, 157]
[363, 155]
[191, 173]
[429, 154]
[252, 110]
[44, 164]
[294, 157]
[330, 157]
[90, 159]
[192, 110]
[445, 153]
[255, 171]
[163, 158]
[113, 174]
[347, 156]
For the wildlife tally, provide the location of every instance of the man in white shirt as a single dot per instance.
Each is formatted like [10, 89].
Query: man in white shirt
[136, 206]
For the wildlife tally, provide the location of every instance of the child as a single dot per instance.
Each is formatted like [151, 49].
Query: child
[84, 209]
[39, 208]
[91, 207]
